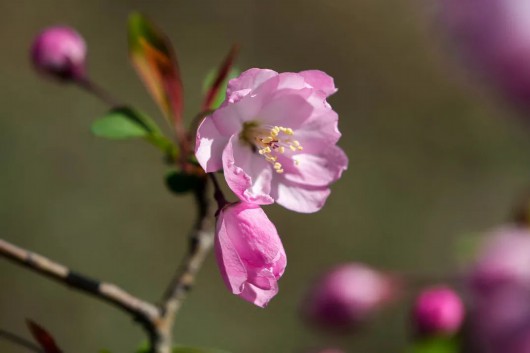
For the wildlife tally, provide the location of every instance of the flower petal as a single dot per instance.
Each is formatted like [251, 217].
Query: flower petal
[248, 174]
[290, 109]
[209, 146]
[321, 129]
[320, 80]
[299, 198]
[261, 294]
[249, 252]
[249, 80]
[316, 169]
[232, 268]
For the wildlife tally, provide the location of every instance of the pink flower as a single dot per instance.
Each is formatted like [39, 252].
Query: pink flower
[60, 52]
[275, 138]
[249, 252]
[438, 310]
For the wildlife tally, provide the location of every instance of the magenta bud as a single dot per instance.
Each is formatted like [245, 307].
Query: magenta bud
[60, 52]
[438, 311]
[347, 295]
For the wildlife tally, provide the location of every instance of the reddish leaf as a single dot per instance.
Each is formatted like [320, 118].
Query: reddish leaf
[42, 336]
[221, 76]
[153, 57]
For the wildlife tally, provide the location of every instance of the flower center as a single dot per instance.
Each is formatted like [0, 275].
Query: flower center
[270, 142]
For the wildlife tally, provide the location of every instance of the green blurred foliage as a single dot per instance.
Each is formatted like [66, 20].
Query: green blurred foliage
[436, 345]
[431, 157]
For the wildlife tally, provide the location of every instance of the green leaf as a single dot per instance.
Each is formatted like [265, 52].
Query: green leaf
[153, 58]
[180, 183]
[122, 123]
[436, 345]
[104, 351]
[467, 247]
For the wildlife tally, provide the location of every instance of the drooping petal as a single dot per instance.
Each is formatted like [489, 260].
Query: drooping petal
[260, 294]
[316, 169]
[209, 146]
[247, 174]
[297, 197]
[319, 80]
[249, 252]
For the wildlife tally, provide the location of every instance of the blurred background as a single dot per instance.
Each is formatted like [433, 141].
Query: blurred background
[431, 157]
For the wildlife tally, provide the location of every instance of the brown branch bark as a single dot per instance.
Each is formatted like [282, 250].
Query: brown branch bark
[143, 312]
[158, 321]
[20, 341]
[200, 243]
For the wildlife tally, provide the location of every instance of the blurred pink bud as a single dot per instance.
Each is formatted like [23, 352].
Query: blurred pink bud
[347, 295]
[499, 319]
[500, 283]
[249, 252]
[493, 36]
[438, 310]
[504, 261]
[60, 52]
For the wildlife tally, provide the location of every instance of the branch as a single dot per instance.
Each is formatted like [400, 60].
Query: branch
[145, 313]
[11, 337]
[201, 241]
[157, 321]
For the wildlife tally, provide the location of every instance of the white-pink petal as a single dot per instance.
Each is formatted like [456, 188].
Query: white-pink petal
[249, 80]
[300, 198]
[209, 146]
[319, 169]
[248, 174]
[320, 81]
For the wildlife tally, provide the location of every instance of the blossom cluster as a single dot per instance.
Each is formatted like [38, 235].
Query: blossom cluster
[274, 138]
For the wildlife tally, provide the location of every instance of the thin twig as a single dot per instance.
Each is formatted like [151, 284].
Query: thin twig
[11, 337]
[98, 91]
[145, 313]
[201, 241]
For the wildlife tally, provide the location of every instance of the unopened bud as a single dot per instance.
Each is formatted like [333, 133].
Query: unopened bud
[347, 295]
[60, 52]
[438, 311]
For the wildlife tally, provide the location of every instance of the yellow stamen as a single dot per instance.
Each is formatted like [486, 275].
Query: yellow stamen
[270, 142]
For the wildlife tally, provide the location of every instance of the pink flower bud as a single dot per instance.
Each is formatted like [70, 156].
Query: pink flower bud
[438, 310]
[249, 252]
[504, 261]
[60, 52]
[493, 37]
[347, 295]
[500, 284]
[499, 318]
